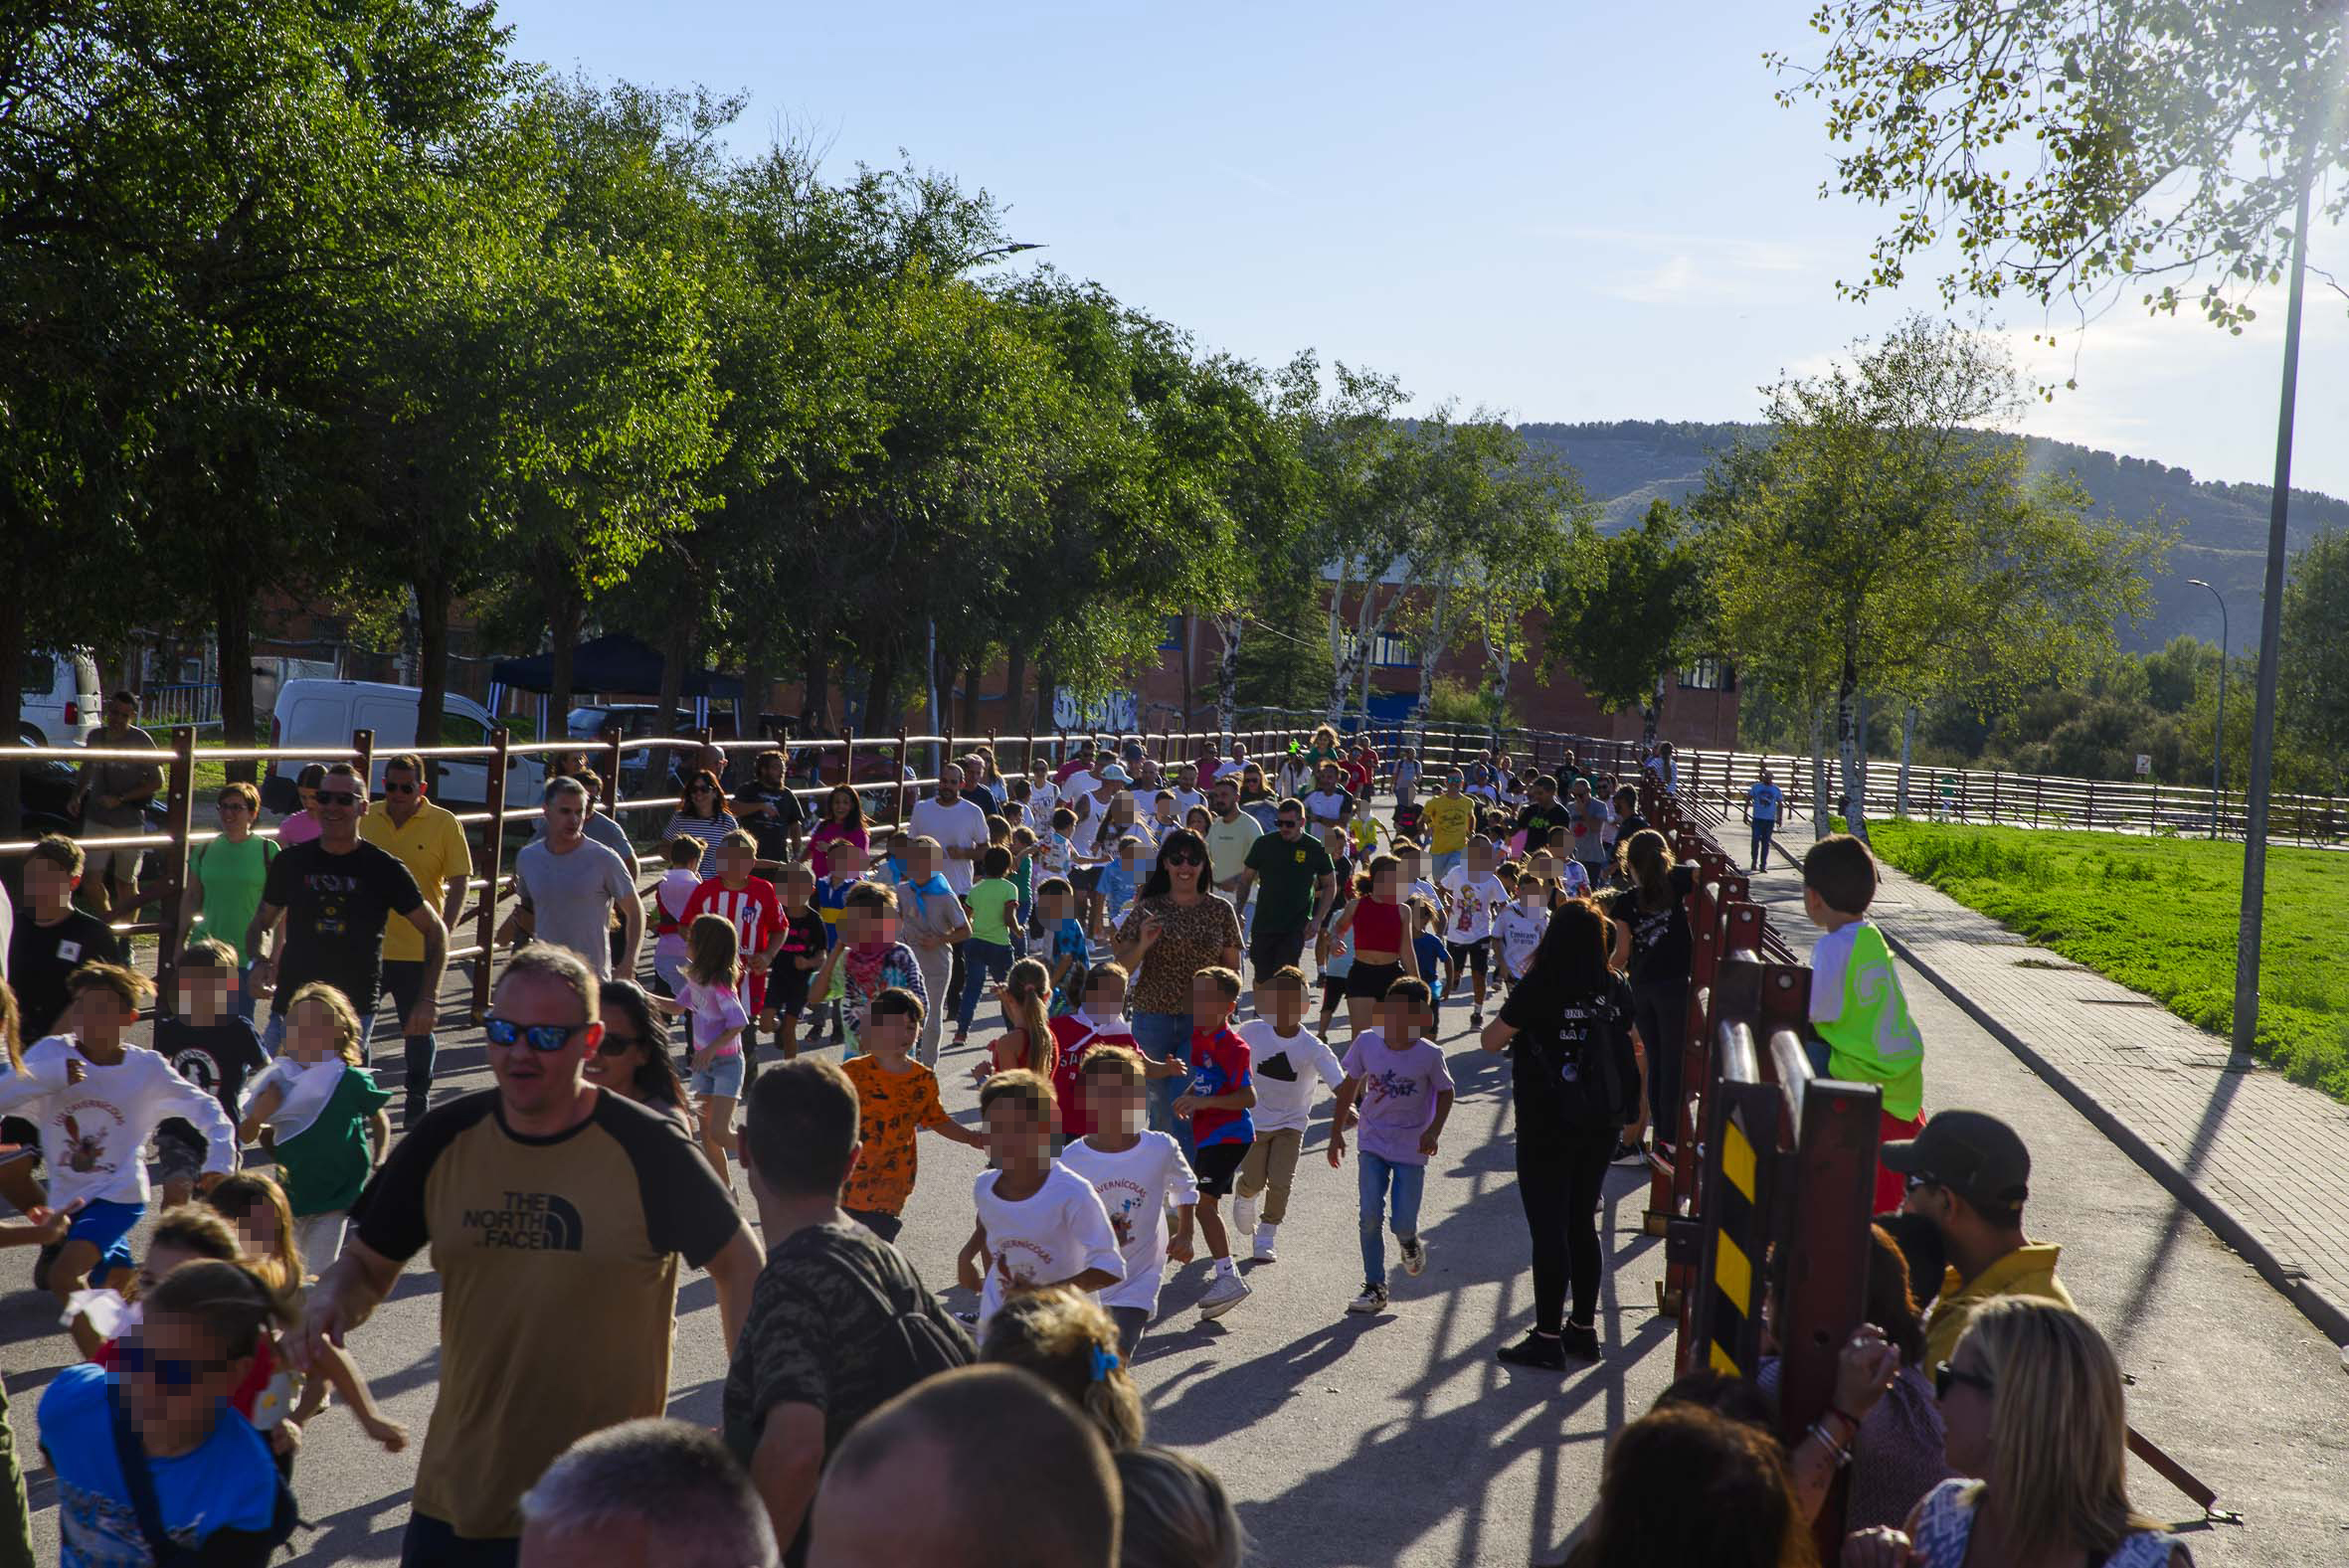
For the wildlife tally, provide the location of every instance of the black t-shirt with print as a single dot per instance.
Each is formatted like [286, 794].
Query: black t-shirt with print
[774, 833]
[215, 1057]
[40, 958]
[1537, 822]
[1557, 1029]
[1660, 939]
[335, 907]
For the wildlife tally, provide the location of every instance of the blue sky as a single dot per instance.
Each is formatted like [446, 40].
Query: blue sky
[1555, 212]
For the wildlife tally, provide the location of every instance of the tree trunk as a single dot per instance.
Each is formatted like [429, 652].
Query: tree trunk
[1045, 719]
[1227, 673]
[1189, 640]
[1430, 650]
[1342, 655]
[877, 710]
[971, 724]
[1015, 688]
[432, 674]
[815, 690]
[232, 608]
[1655, 713]
[567, 614]
[1908, 735]
[1821, 807]
[1848, 743]
[126, 672]
[676, 650]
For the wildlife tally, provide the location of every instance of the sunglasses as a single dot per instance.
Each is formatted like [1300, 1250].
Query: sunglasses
[392, 786]
[176, 1373]
[1287, 823]
[617, 1044]
[543, 1037]
[1945, 1374]
[1186, 858]
[334, 798]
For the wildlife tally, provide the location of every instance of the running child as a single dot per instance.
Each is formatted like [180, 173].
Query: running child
[1027, 1042]
[1856, 1003]
[1068, 950]
[1138, 1175]
[670, 895]
[328, 1126]
[211, 1042]
[792, 958]
[1427, 945]
[934, 923]
[1039, 1223]
[1334, 950]
[1216, 1104]
[1120, 878]
[94, 1141]
[757, 915]
[1284, 1060]
[868, 960]
[710, 999]
[1403, 1089]
[1477, 898]
[843, 870]
[986, 955]
[1100, 1019]
[1382, 949]
[896, 1097]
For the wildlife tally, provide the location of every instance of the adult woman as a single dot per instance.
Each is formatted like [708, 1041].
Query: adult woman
[1176, 928]
[2032, 1402]
[701, 814]
[1652, 926]
[1575, 1078]
[633, 1060]
[981, 777]
[1686, 1484]
[843, 817]
[1256, 796]
[304, 826]
[1883, 1420]
[225, 878]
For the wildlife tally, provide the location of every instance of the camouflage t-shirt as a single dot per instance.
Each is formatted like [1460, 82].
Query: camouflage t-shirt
[818, 1333]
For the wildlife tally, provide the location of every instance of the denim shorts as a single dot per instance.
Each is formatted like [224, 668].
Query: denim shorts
[722, 1077]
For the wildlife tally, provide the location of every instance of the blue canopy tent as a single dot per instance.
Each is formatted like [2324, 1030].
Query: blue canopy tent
[615, 662]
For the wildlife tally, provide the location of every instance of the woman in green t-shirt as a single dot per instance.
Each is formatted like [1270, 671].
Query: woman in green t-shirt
[224, 877]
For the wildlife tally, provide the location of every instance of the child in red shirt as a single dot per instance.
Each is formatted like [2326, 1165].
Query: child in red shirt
[749, 905]
[1215, 1104]
[1100, 1022]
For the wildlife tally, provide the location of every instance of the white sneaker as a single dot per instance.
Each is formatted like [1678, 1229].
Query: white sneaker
[1415, 1257]
[1243, 1214]
[1264, 1244]
[1373, 1300]
[1228, 1290]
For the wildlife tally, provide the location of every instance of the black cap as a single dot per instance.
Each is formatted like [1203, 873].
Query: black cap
[1977, 1157]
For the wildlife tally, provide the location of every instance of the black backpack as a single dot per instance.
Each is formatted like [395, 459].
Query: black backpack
[1595, 1083]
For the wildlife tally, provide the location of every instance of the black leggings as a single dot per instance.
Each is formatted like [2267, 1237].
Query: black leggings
[1662, 1013]
[1560, 1179]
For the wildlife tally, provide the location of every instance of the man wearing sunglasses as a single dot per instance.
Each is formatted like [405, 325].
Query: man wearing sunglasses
[430, 841]
[1300, 884]
[335, 892]
[556, 1215]
[1969, 1174]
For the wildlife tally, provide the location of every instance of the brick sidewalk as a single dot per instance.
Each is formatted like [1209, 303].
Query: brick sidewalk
[2262, 1160]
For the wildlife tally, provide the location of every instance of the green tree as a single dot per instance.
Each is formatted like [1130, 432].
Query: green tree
[1628, 610]
[2314, 689]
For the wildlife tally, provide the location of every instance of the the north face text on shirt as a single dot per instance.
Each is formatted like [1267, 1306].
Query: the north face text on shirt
[528, 1222]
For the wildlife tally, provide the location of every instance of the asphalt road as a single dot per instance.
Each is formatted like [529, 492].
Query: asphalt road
[1398, 1439]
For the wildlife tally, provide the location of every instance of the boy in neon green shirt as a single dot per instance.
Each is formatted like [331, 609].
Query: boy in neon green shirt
[1857, 1005]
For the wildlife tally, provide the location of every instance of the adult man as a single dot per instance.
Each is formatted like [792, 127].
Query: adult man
[1326, 805]
[768, 810]
[602, 825]
[556, 1214]
[570, 885]
[1666, 770]
[1300, 884]
[54, 939]
[959, 826]
[1763, 802]
[820, 1353]
[1542, 815]
[1236, 766]
[1186, 790]
[1586, 818]
[430, 841]
[1008, 1472]
[335, 892]
[1969, 1174]
[1230, 831]
[649, 1493]
[1084, 839]
[111, 800]
[1079, 760]
[1449, 820]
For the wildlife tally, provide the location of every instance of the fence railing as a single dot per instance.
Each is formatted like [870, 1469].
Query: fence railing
[194, 703]
[1960, 795]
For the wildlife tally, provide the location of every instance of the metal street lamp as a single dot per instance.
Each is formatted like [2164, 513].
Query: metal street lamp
[2219, 742]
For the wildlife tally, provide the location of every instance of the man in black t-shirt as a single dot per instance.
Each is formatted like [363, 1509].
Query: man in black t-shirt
[818, 1351]
[769, 811]
[335, 892]
[1542, 817]
[54, 937]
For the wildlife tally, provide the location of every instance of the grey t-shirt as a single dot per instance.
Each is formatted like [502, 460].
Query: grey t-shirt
[572, 896]
[603, 830]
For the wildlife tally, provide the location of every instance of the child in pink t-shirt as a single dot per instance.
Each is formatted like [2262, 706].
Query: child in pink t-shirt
[708, 998]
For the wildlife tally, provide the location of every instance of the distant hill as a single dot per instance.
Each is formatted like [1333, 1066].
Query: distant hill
[2222, 528]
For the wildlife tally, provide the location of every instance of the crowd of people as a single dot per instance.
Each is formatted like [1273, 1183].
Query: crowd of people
[1143, 929]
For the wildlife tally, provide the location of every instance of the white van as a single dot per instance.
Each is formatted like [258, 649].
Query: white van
[62, 703]
[326, 712]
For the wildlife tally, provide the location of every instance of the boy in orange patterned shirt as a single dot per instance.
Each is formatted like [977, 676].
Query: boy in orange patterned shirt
[896, 1097]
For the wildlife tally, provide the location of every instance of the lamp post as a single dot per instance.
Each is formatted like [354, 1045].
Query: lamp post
[2219, 740]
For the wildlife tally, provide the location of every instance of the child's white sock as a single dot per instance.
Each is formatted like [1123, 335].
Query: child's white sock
[1224, 1265]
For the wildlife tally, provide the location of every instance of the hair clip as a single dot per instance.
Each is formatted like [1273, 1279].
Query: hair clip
[1104, 1363]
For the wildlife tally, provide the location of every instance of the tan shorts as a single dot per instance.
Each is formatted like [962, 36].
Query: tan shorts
[122, 860]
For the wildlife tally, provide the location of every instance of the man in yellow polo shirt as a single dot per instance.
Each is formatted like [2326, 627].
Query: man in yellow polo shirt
[1969, 1174]
[1449, 818]
[430, 841]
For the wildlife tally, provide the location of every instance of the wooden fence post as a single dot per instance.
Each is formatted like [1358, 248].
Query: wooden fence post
[492, 869]
[363, 742]
[179, 816]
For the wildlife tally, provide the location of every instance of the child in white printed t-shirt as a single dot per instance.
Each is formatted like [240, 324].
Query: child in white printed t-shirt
[1137, 1175]
[1518, 927]
[1040, 1222]
[1477, 894]
[675, 891]
[1286, 1059]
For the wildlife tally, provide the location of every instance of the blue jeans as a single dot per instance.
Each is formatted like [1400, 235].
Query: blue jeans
[982, 961]
[1437, 867]
[1377, 1177]
[1162, 1034]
